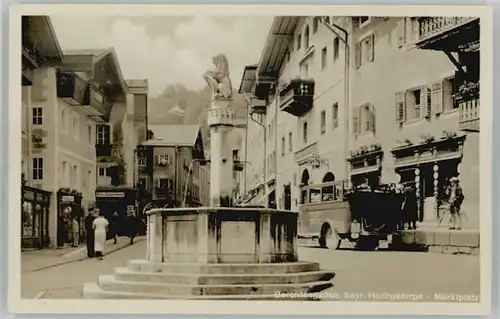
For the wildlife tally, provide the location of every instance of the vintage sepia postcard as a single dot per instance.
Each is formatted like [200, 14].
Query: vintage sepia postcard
[241, 160]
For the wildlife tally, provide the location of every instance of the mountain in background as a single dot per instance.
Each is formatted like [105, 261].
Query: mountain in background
[179, 105]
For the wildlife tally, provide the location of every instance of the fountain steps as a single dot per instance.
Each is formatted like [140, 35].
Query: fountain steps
[147, 280]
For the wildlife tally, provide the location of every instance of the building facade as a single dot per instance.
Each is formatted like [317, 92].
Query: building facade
[79, 118]
[171, 170]
[399, 118]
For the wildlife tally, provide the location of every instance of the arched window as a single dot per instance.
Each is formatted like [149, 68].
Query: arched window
[306, 37]
[304, 193]
[315, 24]
[328, 192]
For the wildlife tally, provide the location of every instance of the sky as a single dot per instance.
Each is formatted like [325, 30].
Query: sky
[170, 49]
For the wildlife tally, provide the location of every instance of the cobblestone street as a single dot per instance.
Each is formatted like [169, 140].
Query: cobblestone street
[356, 273]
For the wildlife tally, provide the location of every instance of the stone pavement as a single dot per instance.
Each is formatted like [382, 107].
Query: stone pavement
[66, 279]
[37, 260]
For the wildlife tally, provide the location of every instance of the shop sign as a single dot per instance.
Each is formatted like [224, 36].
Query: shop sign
[110, 194]
[68, 198]
[29, 195]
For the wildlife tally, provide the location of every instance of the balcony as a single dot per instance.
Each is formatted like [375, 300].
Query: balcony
[469, 115]
[258, 106]
[296, 97]
[79, 92]
[450, 34]
[104, 150]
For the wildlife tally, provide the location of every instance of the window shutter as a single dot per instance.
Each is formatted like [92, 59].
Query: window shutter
[428, 102]
[437, 97]
[400, 107]
[423, 101]
[373, 120]
[372, 48]
[355, 121]
[358, 55]
[401, 32]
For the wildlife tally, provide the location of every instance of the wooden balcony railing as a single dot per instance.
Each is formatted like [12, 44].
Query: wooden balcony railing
[431, 26]
[469, 115]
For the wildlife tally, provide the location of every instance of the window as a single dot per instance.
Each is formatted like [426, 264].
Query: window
[37, 116]
[306, 37]
[75, 127]
[290, 144]
[323, 122]
[37, 168]
[283, 147]
[449, 91]
[315, 24]
[335, 115]
[364, 120]
[365, 50]
[299, 40]
[324, 54]
[418, 103]
[336, 47]
[287, 56]
[103, 134]
[141, 161]
[102, 171]
[89, 179]
[163, 182]
[162, 159]
[75, 177]
[304, 132]
[89, 134]
[363, 21]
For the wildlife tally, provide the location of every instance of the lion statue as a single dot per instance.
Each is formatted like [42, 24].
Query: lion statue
[218, 78]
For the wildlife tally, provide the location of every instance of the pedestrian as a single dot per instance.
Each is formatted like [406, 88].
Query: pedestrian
[455, 200]
[100, 226]
[113, 227]
[132, 225]
[89, 233]
[76, 232]
[410, 207]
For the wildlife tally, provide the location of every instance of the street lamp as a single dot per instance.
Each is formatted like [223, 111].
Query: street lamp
[190, 169]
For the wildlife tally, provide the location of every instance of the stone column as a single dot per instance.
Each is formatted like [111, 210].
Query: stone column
[155, 237]
[220, 120]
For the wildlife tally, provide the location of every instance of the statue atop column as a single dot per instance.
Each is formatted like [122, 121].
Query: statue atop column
[218, 79]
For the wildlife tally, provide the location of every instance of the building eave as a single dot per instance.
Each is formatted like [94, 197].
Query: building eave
[248, 79]
[278, 41]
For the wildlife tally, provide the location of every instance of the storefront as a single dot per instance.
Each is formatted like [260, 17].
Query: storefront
[428, 167]
[35, 204]
[69, 207]
[111, 200]
[366, 166]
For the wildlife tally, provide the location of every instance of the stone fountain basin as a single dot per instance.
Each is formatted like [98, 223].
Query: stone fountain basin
[222, 235]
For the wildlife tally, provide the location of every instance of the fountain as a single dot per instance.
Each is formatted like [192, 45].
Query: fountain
[217, 252]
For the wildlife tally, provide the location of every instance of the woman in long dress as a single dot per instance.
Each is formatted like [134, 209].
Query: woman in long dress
[100, 226]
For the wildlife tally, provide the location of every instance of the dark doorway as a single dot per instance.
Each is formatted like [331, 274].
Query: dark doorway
[287, 196]
[304, 181]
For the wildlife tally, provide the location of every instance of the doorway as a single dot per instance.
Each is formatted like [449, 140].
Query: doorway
[287, 195]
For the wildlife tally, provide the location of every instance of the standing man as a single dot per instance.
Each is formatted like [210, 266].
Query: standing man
[410, 208]
[113, 226]
[131, 225]
[89, 233]
[455, 200]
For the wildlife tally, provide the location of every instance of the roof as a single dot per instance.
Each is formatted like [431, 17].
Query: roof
[42, 32]
[248, 80]
[140, 83]
[97, 55]
[278, 41]
[173, 135]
